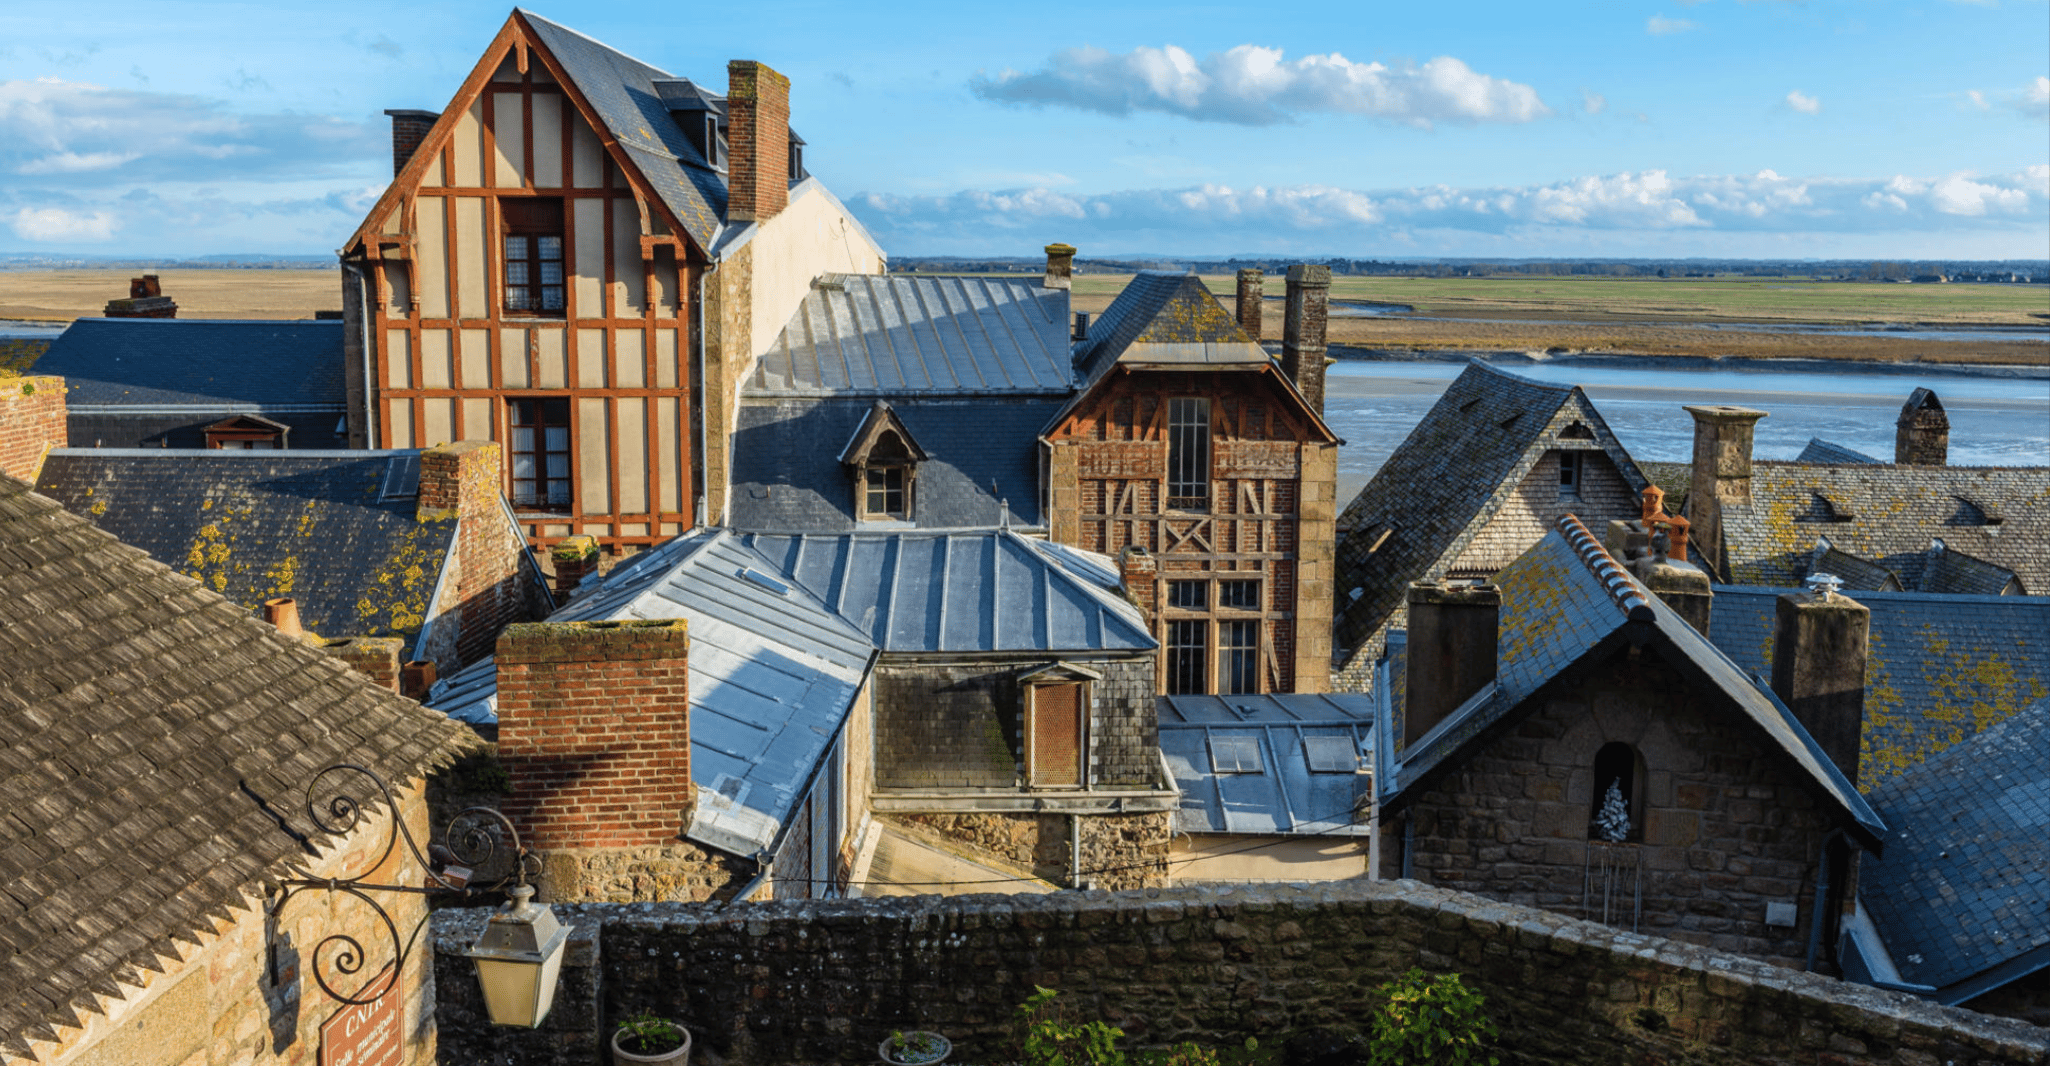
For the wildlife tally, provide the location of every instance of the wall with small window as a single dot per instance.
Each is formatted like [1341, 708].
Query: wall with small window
[1577, 479]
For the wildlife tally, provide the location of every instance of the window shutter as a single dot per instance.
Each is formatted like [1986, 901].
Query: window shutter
[1056, 735]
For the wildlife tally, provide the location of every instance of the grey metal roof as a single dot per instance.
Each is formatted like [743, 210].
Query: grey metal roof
[141, 365]
[898, 336]
[982, 467]
[1822, 451]
[773, 676]
[1284, 795]
[1169, 318]
[1938, 668]
[1960, 896]
[1566, 599]
[983, 590]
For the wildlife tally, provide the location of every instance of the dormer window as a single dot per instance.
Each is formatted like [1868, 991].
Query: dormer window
[883, 459]
[1572, 474]
[796, 158]
[247, 432]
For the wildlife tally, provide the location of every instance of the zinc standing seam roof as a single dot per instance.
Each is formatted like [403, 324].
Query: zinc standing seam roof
[773, 675]
[1285, 794]
[896, 335]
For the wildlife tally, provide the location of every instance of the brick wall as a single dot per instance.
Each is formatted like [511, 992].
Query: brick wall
[31, 423]
[493, 586]
[826, 981]
[757, 140]
[1729, 824]
[958, 725]
[594, 731]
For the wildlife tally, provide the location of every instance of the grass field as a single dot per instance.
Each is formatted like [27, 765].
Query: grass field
[68, 294]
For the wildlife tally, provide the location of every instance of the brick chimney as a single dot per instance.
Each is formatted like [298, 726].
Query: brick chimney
[461, 481]
[1921, 436]
[1139, 572]
[1302, 331]
[1722, 475]
[575, 559]
[408, 129]
[146, 299]
[757, 141]
[1252, 294]
[594, 730]
[1452, 631]
[1818, 666]
[32, 421]
[1060, 266]
[416, 678]
[376, 658]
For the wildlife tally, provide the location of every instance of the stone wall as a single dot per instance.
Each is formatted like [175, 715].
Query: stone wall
[1118, 850]
[1536, 505]
[826, 981]
[1728, 823]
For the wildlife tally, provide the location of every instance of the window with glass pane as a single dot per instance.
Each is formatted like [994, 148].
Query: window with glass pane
[540, 453]
[1188, 595]
[1239, 594]
[1186, 655]
[885, 492]
[1188, 453]
[1571, 468]
[533, 256]
[1238, 656]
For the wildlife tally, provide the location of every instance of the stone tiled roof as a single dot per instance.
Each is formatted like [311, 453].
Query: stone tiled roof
[1890, 515]
[208, 366]
[336, 531]
[151, 736]
[1959, 896]
[1566, 601]
[1165, 318]
[982, 470]
[1939, 669]
[1440, 487]
[1822, 451]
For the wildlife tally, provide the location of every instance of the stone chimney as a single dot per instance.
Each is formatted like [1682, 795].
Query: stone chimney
[1302, 330]
[376, 658]
[1818, 666]
[1722, 474]
[33, 420]
[594, 731]
[146, 299]
[1452, 632]
[1139, 572]
[1060, 266]
[757, 141]
[1921, 436]
[1252, 294]
[461, 481]
[284, 614]
[408, 129]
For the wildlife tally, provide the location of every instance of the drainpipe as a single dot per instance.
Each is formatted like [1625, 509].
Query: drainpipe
[369, 359]
[1821, 901]
[1075, 851]
[697, 388]
[1408, 845]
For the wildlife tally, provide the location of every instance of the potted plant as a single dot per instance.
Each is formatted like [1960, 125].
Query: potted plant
[645, 1038]
[915, 1048]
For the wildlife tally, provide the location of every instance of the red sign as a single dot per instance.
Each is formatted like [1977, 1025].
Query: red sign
[367, 1034]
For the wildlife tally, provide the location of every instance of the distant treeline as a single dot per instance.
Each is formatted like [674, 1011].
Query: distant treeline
[1932, 270]
[42, 261]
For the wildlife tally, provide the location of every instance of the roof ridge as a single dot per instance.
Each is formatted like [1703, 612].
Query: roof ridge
[1622, 588]
[532, 14]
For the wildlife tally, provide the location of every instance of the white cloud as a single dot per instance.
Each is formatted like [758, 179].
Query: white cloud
[52, 224]
[2035, 100]
[1593, 102]
[1660, 26]
[1959, 195]
[73, 162]
[1977, 98]
[1804, 103]
[1255, 86]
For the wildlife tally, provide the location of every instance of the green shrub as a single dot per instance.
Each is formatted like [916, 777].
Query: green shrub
[1049, 1037]
[1429, 1021]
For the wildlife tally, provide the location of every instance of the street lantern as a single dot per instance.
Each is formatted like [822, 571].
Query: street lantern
[518, 957]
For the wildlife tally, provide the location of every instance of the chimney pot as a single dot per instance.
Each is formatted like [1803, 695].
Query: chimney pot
[416, 678]
[1452, 636]
[575, 559]
[1302, 334]
[757, 141]
[284, 614]
[1819, 649]
[1060, 266]
[1252, 295]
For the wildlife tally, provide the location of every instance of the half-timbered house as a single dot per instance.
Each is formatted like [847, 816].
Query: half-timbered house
[579, 258]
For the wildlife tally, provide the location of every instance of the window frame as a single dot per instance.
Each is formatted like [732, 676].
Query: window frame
[541, 454]
[1237, 664]
[1033, 692]
[1187, 434]
[520, 217]
[1572, 474]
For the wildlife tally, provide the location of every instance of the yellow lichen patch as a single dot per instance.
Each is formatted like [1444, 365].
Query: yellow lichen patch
[281, 576]
[1967, 696]
[98, 508]
[396, 601]
[1531, 590]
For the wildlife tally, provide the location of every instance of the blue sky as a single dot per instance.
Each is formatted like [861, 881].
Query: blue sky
[1758, 128]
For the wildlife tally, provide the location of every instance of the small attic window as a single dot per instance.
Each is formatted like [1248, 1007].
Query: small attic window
[1969, 513]
[1822, 508]
[1235, 755]
[1330, 755]
[1510, 421]
[1576, 431]
[883, 460]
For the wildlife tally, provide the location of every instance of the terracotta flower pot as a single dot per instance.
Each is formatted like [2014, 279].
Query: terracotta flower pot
[676, 1057]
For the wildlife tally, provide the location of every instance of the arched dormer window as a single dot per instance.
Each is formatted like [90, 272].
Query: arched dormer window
[882, 458]
[1618, 765]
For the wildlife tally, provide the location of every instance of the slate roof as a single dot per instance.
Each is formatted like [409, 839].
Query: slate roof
[151, 735]
[168, 365]
[1822, 451]
[983, 453]
[989, 590]
[903, 336]
[336, 531]
[773, 676]
[1278, 791]
[1165, 318]
[1939, 669]
[1890, 515]
[1440, 488]
[1566, 599]
[1959, 897]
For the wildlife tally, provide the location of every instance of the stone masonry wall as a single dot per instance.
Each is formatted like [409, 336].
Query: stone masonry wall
[1729, 824]
[1536, 506]
[826, 981]
[32, 421]
[1118, 850]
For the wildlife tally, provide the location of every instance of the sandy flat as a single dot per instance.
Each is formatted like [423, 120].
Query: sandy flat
[267, 294]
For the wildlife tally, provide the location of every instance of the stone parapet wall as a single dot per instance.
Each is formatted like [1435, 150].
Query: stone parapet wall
[825, 981]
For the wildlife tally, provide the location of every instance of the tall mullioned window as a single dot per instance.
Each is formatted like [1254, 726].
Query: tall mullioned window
[1188, 453]
[540, 453]
[1238, 656]
[533, 256]
[1187, 657]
